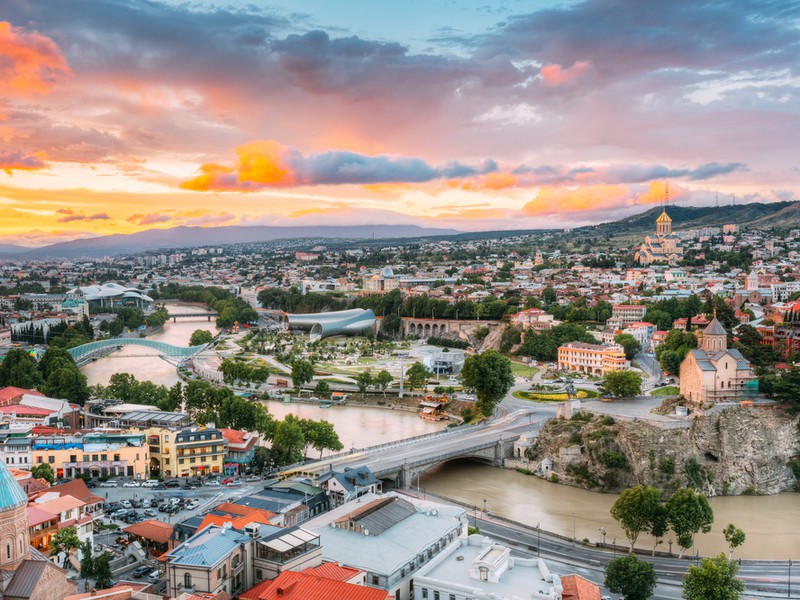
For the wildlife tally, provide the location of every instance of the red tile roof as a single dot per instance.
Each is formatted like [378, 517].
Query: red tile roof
[300, 586]
[7, 394]
[156, 531]
[332, 570]
[578, 588]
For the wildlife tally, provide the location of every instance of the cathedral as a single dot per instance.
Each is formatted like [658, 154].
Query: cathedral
[665, 247]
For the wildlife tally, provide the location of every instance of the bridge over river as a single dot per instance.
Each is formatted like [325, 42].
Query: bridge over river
[403, 461]
[84, 352]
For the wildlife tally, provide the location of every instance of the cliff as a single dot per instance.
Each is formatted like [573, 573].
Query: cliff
[728, 451]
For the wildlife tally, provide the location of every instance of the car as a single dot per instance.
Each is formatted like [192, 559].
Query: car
[120, 514]
[140, 572]
[108, 484]
[153, 577]
[149, 512]
[193, 504]
[147, 503]
[234, 483]
[163, 507]
[136, 503]
[91, 483]
[130, 484]
[253, 478]
[173, 483]
[212, 482]
[150, 483]
[126, 504]
[227, 480]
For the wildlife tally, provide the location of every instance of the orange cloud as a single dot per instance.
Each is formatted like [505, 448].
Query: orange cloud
[18, 161]
[585, 198]
[657, 192]
[29, 62]
[260, 163]
[554, 75]
[492, 181]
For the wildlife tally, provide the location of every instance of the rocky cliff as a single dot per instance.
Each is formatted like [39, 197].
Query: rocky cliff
[729, 451]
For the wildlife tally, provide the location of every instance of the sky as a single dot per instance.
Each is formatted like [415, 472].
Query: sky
[118, 116]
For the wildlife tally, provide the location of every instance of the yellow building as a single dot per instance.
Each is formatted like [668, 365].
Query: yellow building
[192, 452]
[597, 359]
[99, 453]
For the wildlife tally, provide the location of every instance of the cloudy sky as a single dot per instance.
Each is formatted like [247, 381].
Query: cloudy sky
[123, 115]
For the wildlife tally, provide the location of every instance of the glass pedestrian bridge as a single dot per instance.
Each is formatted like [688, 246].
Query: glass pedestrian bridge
[181, 352]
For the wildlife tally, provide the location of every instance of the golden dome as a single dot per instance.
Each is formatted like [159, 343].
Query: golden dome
[664, 218]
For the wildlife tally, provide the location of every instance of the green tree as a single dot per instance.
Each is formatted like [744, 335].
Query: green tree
[629, 343]
[635, 579]
[200, 337]
[689, 513]
[364, 382]
[261, 459]
[734, 536]
[288, 442]
[322, 436]
[489, 375]
[322, 388]
[67, 383]
[302, 373]
[102, 571]
[54, 359]
[786, 388]
[622, 383]
[714, 579]
[417, 375]
[636, 509]
[43, 471]
[87, 562]
[383, 379]
[64, 540]
[18, 369]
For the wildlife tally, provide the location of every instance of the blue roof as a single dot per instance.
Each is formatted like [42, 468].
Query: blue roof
[11, 493]
[207, 547]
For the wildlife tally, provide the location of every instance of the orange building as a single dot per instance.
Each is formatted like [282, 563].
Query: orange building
[597, 359]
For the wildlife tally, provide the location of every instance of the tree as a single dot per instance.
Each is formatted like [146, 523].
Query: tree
[102, 571]
[67, 383]
[633, 578]
[200, 337]
[629, 343]
[787, 388]
[489, 375]
[688, 513]
[636, 509]
[734, 536]
[714, 579]
[364, 381]
[18, 369]
[622, 383]
[417, 375]
[43, 471]
[322, 436]
[323, 388]
[64, 540]
[260, 459]
[302, 373]
[288, 442]
[87, 562]
[54, 359]
[383, 379]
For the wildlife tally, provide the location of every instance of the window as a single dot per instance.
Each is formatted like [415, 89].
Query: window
[85, 458]
[259, 574]
[104, 457]
[137, 456]
[452, 597]
[375, 580]
[51, 459]
[436, 595]
[94, 457]
[73, 458]
[424, 592]
[8, 551]
[187, 580]
[116, 457]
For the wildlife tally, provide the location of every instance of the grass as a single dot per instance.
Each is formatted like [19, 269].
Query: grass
[523, 370]
[670, 390]
[552, 396]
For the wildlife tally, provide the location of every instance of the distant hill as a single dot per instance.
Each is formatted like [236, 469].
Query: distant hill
[774, 214]
[12, 249]
[188, 237]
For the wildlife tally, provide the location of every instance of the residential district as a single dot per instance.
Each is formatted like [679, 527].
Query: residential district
[133, 489]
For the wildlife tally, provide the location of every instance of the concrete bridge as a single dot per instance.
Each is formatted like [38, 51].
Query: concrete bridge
[176, 316]
[403, 461]
[424, 328]
[84, 352]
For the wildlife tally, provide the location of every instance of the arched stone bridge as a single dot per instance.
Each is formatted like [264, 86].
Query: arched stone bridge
[403, 461]
[83, 352]
[425, 328]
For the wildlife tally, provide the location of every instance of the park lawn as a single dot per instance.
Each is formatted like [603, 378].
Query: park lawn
[670, 390]
[552, 396]
[523, 370]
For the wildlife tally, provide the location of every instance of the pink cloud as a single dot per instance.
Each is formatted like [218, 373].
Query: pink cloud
[554, 75]
[29, 62]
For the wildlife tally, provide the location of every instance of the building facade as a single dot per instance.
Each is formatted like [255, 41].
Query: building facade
[596, 359]
[665, 247]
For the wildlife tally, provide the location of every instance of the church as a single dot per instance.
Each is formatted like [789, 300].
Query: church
[715, 373]
[25, 573]
[665, 247]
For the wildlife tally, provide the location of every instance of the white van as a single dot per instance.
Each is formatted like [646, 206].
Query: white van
[150, 483]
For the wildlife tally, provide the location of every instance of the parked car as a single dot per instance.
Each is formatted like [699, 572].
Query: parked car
[140, 572]
[150, 483]
[149, 512]
[153, 577]
[136, 503]
[193, 504]
[130, 484]
[126, 504]
[173, 483]
[234, 483]
[147, 503]
[108, 484]
[253, 478]
[120, 514]
[212, 482]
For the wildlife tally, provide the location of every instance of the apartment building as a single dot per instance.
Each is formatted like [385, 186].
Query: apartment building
[191, 452]
[596, 359]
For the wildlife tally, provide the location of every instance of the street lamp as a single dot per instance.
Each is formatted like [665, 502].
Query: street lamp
[670, 547]
[538, 538]
[789, 582]
[484, 506]
[602, 530]
[615, 547]
[475, 515]
[574, 538]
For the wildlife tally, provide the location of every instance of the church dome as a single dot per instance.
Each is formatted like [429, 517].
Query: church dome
[387, 272]
[664, 218]
[11, 493]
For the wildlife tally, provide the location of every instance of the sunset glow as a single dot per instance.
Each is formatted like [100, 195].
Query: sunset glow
[119, 117]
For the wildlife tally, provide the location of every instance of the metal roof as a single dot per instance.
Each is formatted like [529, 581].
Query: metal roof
[26, 577]
[715, 328]
[11, 493]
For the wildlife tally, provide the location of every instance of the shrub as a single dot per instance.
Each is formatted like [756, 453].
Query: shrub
[667, 466]
[614, 460]
[553, 477]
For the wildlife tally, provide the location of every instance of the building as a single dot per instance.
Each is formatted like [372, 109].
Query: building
[476, 567]
[112, 295]
[95, 453]
[68, 512]
[388, 537]
[343, 322]
[535, 319]
[715, 373]
[241, 449]
[627, 314]
[192, 452]
[350, 484]
[665, 247]
[596, 359]
[380, 283]
[306, 585]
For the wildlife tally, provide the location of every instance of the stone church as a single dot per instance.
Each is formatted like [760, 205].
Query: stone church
[665, 247]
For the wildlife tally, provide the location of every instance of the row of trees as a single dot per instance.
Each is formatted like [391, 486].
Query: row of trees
[55, 375]
[234, 370]
[230, 308]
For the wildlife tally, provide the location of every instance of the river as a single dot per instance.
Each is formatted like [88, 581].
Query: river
[770, 522]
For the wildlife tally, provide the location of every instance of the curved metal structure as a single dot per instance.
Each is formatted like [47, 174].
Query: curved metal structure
[343, 322]
[183, 352]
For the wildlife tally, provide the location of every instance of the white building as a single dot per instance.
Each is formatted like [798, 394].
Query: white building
[480, 569]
